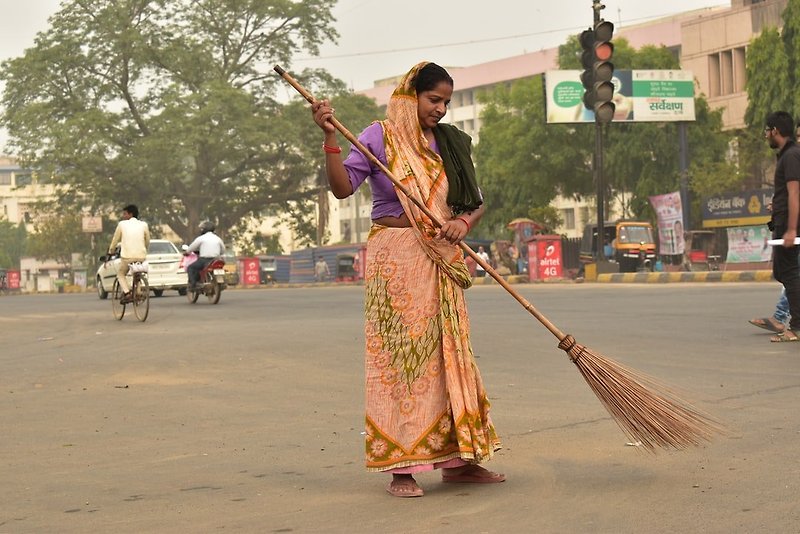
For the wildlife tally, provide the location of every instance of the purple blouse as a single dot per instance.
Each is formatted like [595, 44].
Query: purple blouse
[359, 168]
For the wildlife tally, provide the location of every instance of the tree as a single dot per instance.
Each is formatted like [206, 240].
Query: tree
[773, 71]
[522, 164]
[309, 219]
[166, 104]
[58, 237]
[769, 85]
[13, 243]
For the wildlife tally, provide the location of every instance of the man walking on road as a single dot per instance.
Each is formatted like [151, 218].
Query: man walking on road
[134, 237]
[786, 215]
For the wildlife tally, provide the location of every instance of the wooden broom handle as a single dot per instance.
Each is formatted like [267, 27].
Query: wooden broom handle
[466, 248]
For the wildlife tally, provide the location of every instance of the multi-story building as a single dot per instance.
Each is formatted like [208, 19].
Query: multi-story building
[19, 190]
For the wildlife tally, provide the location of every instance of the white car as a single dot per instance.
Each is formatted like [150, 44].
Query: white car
[164, 260]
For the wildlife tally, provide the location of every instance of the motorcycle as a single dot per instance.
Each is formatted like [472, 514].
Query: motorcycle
[211, 281]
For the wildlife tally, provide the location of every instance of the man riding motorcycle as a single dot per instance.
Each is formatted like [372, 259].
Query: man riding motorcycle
[207, 246]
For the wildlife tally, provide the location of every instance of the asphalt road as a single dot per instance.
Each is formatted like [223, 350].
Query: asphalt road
[248, 416]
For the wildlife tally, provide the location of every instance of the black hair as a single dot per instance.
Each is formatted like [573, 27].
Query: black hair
[781, 121]
[132, 209]
[430, 76]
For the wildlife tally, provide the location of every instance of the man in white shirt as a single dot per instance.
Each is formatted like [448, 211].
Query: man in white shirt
[134, 237]
[208, 246]
[479, 270]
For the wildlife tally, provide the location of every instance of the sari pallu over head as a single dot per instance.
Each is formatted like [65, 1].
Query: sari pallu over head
[422, 171]
[425, 397]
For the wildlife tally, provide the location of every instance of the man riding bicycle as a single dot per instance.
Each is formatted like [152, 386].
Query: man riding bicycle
[208, 246]
[133, 236]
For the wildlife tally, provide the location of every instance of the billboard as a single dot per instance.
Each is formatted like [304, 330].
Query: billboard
[737, 209]
[639, 96]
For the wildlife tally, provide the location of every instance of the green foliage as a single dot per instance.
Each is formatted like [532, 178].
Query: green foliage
[769, 85]
[548, 216]
[166, 104]
[57, 237]
[13, 244]
[522, 163]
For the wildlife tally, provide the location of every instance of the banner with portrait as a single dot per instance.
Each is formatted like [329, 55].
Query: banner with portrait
[669, 212]
[748, 244]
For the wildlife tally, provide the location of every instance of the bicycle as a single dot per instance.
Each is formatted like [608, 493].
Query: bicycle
[140, 292]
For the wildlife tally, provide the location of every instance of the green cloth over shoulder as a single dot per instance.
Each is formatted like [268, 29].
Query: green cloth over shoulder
[455, 148]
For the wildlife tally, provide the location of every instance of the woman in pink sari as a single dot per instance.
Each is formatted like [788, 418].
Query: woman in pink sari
[426, 407]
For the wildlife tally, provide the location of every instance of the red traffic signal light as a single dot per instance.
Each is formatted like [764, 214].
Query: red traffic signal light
[603, 71]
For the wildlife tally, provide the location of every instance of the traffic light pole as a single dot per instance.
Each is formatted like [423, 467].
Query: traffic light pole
[598, 179]
[598, 166]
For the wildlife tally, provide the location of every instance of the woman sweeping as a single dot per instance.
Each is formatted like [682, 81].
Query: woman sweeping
[426, 407]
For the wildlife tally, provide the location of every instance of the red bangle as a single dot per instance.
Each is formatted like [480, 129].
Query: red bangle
[465, 222]
[331, 149]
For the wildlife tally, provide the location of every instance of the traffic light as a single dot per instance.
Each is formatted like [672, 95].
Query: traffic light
[598, 70]
[587, 60]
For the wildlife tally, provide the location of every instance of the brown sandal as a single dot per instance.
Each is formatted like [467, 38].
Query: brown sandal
[787, 336]
[768, 323]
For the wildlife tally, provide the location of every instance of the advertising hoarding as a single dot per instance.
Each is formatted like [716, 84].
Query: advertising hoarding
[639, 96]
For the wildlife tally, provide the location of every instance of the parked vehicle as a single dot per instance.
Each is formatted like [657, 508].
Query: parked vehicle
[700, 254]
[269, 269]
[346, 268]
[231, 269]
[630, 244]
[164, 260]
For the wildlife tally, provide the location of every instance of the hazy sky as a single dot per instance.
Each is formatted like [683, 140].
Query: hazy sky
[378, 40]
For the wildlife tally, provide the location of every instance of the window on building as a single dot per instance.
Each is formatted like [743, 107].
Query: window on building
[5, 178]
[568, 215]
[469, 126]
[726, 72]
[467, 98]
[23, 179]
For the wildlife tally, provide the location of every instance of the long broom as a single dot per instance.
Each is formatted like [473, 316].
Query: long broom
[648, 418]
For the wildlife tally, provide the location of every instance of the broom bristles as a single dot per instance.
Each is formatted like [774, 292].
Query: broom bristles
[652, 419]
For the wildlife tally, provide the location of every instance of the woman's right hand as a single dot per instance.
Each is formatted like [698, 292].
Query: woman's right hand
[323, 112]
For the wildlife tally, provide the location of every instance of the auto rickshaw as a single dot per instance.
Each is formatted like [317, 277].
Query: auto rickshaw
[699, 251]
[345, 268]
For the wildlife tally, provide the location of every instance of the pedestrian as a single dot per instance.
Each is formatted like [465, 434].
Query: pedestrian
[321, 271]
[426, 406]
[785, 215]
[479, 270]
[776, 323]
[133, 237]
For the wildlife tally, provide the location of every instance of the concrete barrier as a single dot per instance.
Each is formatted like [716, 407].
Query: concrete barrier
[703, 276]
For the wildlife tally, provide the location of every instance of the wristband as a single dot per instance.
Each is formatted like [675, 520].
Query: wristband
[469, 227]
[331, 149]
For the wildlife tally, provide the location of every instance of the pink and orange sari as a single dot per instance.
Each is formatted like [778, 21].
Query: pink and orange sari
[425, 399]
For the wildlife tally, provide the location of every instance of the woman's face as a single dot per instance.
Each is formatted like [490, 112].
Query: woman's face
[432, 105]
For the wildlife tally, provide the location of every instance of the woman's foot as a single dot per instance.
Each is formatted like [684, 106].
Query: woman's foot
[404, 486]
[471, 473]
